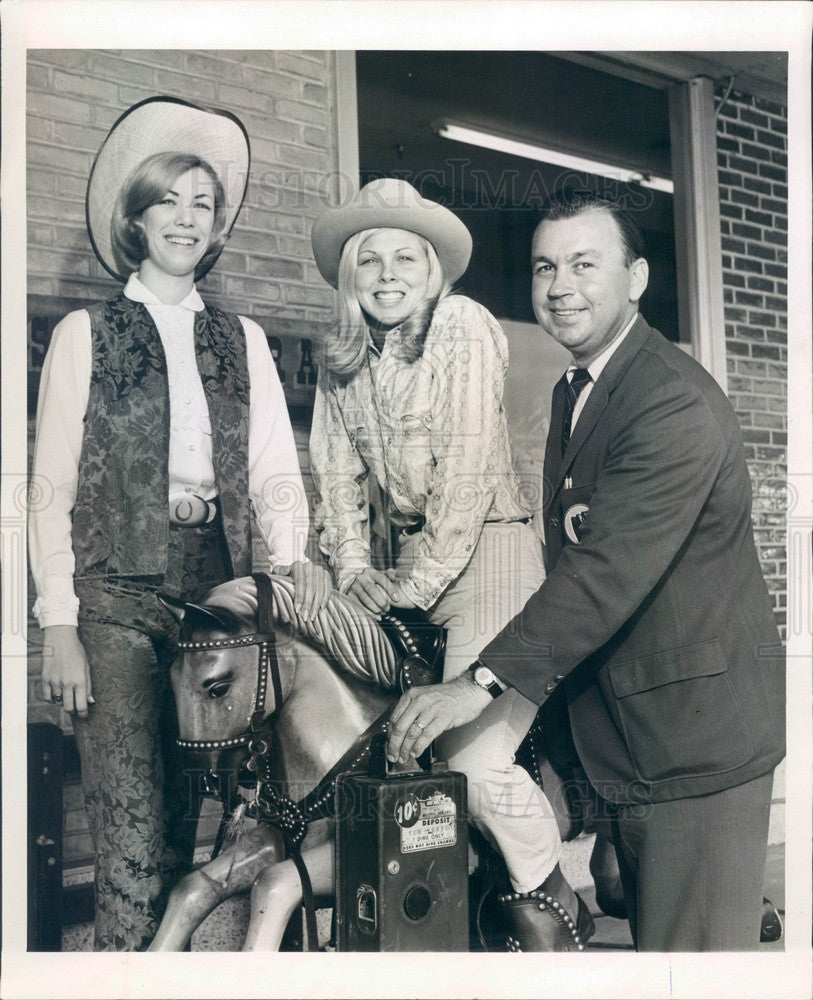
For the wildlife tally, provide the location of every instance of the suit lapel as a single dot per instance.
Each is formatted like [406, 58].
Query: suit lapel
[556, 467]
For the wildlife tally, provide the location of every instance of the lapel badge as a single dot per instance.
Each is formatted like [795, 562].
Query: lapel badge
[574, 521]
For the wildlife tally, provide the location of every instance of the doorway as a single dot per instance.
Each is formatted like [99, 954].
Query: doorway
[539, 98]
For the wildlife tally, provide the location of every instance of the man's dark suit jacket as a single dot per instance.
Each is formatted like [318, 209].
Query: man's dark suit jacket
[655, 628]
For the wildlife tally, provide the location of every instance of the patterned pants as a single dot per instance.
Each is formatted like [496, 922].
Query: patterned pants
[142, 811]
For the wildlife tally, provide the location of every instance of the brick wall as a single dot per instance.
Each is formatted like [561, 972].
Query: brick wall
[752, 158]
[286, 100]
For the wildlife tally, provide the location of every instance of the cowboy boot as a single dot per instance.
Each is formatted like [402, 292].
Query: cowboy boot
[537, 920]
[771, 923]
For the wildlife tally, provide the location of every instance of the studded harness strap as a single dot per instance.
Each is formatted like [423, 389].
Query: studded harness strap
[271, 805]
[265, 640]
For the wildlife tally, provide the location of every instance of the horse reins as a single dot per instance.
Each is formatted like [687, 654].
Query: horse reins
[270, 805]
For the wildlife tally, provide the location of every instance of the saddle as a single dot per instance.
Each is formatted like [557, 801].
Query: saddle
[419, 645]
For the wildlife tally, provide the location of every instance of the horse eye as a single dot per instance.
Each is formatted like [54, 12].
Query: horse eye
[220, 690]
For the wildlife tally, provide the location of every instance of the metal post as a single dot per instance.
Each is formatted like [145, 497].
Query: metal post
[697, 223]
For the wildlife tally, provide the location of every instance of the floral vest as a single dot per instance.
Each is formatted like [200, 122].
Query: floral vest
[121, 515]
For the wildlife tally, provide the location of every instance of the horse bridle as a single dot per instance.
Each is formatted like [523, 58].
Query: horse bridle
[267, 663]
[256, 739]
[271, 805]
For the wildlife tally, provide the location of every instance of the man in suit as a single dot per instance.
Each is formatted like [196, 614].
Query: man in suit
[652, 642]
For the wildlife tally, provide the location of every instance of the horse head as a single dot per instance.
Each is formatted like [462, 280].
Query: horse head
[220, 677]
[341, 666]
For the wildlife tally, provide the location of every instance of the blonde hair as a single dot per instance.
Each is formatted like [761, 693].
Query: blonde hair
[345, 348]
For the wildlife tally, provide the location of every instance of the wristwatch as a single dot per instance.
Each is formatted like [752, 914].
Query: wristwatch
[484, 677]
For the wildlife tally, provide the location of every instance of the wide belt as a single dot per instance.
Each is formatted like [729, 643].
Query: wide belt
[413, 529]
[188, 510]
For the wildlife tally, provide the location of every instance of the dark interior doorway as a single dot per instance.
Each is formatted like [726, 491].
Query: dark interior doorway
[535, 96]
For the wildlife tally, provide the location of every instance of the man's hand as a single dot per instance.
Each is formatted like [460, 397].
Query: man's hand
[374, 590]
[423, 713]
[65, 670]
[312, 587]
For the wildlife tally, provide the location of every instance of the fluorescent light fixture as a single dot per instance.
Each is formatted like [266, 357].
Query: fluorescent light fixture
[515, 147]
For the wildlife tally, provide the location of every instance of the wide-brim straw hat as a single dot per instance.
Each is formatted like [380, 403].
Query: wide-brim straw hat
[164, 125]
[389, 203]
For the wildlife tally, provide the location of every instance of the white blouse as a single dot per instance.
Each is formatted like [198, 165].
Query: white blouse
[275, 481]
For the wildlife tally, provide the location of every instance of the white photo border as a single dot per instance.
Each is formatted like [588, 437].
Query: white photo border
[313, 24]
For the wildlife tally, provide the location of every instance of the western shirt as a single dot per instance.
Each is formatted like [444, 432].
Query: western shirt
[433, 433]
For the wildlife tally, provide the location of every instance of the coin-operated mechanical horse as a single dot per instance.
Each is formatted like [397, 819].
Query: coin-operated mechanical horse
[288, 705]
[291, 704]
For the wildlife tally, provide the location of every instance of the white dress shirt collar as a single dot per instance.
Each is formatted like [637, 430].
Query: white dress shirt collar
[136, 290]
[597, 366]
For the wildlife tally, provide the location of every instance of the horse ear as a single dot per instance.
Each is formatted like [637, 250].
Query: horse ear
[214, 617]
[221, 618]
[174, 605]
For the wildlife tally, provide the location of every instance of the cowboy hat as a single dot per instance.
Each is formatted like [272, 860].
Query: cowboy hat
[164, 125]
[389, 203]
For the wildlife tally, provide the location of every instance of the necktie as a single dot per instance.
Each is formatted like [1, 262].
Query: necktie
[579, 379]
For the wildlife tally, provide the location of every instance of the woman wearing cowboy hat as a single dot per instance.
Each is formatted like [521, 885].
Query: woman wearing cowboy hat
[411, 390]
[161, 421]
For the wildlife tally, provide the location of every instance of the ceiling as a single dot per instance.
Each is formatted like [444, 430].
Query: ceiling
[536, 96]
[608, 106]
[761, 74]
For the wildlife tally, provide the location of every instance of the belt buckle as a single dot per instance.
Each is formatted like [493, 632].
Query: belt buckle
[188, 510]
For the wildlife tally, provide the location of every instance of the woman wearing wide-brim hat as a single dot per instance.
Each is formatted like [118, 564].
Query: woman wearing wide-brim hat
[161, 420]
[411, 391]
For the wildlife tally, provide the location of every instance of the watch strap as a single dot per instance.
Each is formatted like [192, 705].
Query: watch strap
[494, 688]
